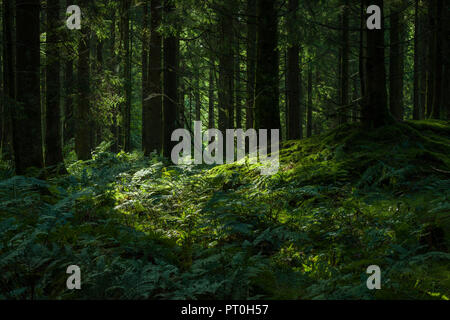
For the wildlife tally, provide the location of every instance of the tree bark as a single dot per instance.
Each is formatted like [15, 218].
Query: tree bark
[27, 134]
[112, 65]
[362, 53]
[294, 125]
[375, 112]
[446, 48]
[83, 112]
[182, 93]
[68, 131]
[145, 43]
[152, 114]
[416, 89]
[126, 56]
[211, 118]
[309, 125]
[267, 84]
[251, 62]
[396, 67]
[8, 81]
[197, 95]
[226, 68]
[53, 141]
[237, 87]
[170, 85]
[437, 66]
[345, 83]
[430, 57]
[423, 60]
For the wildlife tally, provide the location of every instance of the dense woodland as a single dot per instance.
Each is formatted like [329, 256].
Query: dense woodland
[85, 143]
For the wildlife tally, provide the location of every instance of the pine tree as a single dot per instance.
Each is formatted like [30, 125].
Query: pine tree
[27, 134]
[53, 140]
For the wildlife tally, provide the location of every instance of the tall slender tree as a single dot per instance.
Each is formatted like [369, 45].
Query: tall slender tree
[126, 56]
[170, 99]
[362, 53]
[211, 119]
[267, 67]
[423, 47]
[237, 86]
[416, 84]
[145, 42]
[198, 104]
[251, 62]
[437, 66]
[294, 125]
[152, 113]
[83, 108]
[8, 78]
[113, 68]
[430, 52]
[53, 140]
[226, 68]
[375, 111]
[27, 134]
[309, 124]
[396, 67]
[68, 127]
[446, 63]
[344, 64]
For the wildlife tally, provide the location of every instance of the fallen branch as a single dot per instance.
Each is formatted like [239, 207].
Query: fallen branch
[439, 170]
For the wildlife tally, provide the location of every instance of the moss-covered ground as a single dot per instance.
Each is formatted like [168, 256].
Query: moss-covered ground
[141, 228]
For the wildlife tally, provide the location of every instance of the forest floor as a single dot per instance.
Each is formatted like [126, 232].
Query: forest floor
[141, 228]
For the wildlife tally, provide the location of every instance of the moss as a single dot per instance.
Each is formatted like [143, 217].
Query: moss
[341, 201]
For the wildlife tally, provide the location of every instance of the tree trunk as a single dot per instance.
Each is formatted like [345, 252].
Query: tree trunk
[437, 66]
[345, 84]
[97, 127]
[416, 89]
[197, 94]
[8, 81]
[375, 112]
[226, 68]
[53, 141]
[294, 124]
[145, 43]
[362, 54]
[112, 65]
[267, 84]
[396, 64]
[152, 114]
[423, 61]
[170, 85]
[2, 108]
[251, 62]
[356, 106]
[446, 57]
[237, 87]
[126, 56]
[310, 104]
[182, 93]
[211, 121]
[27, 134]
[68, 131]
[430, 58]
[83, 112]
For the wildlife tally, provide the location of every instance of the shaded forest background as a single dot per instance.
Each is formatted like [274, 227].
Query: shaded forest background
[138, 70]
[85, 140]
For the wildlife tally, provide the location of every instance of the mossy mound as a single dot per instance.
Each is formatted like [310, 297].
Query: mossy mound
[350, 186]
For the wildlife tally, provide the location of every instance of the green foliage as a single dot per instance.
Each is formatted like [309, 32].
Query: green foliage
[140, 228]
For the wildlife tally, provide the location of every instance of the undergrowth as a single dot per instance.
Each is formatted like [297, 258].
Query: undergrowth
[140, 228]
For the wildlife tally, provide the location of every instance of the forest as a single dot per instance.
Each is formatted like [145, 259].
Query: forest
[355, 95]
